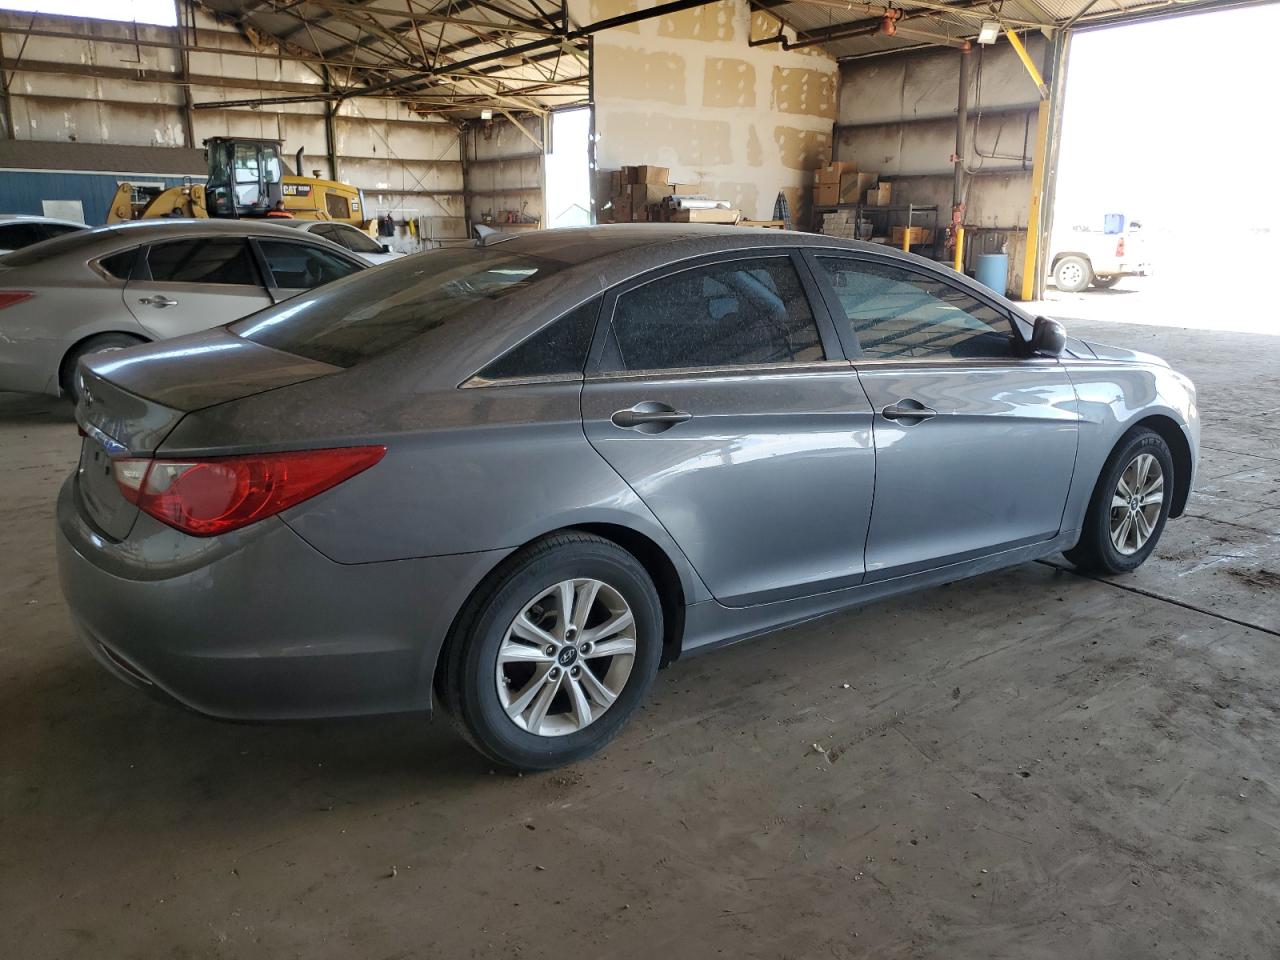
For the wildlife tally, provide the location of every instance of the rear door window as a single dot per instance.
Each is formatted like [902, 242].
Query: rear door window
[301, 266]
[15, 236]
[735, 313]
[220, 261]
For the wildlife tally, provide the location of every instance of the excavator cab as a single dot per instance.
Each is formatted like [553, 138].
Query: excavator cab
[245, 177]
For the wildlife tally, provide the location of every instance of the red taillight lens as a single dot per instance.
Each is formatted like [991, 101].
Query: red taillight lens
[10, 297]
[208, 497]
[1120, 247]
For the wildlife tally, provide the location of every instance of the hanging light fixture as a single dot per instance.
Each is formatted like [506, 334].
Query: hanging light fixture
[989, 32]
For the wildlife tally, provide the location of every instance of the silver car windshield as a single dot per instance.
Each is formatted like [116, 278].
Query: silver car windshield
[363, 316]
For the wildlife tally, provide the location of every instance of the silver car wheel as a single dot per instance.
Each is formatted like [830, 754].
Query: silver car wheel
[566, 657]
[1136, 504]
[1071, 274]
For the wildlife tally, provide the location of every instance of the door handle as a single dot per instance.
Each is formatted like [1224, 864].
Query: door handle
[911, 411]
[158, 301]
[649, 416]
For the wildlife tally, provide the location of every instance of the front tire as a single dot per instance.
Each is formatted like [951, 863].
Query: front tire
[554, 652]
[1072, 274]
[1129, 508]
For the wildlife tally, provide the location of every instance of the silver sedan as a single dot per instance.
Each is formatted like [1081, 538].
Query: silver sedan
[119, 286]
[521, 476]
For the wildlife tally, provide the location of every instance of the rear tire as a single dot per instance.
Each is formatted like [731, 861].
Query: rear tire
[69, 374]
[1107, 282]
[1072, 274]
[531, 686]
[1124, 520]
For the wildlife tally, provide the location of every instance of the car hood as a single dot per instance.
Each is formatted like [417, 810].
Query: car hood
[1104, 352]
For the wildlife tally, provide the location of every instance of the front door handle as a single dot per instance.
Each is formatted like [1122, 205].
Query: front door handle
[158, 301]
[909, 411]
[649, 416]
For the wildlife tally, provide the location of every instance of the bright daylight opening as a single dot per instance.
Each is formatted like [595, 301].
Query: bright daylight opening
[568, 174]
[1160, 127]
[161, 12]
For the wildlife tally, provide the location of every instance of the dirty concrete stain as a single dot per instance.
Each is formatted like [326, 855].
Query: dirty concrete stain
[755, 150]
[802, 149]
[711, 22]
[801, 90]
[727, 82]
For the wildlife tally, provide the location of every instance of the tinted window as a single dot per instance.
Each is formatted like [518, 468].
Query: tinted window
[67, 244]
[326, 231]
[202, 261]
[337, 206]
[301, 266]
[900, 314]
[15, 236]
[381, 309]
[51, 230]
[354, 239]
[560, 348]
[120, 265]
[740, 312]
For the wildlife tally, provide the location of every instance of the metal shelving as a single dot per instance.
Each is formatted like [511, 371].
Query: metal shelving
[917, 215]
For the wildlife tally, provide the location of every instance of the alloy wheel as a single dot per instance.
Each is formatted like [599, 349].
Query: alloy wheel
[566, 657]
[1136, 504]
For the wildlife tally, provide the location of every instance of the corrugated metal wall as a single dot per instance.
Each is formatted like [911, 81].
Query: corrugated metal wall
[504, 173]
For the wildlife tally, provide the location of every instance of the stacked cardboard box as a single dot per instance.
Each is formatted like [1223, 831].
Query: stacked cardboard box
[918, 235]
[842, 182]
[840, 223]
[642, 194]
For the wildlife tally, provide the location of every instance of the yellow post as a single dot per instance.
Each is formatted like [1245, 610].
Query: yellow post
[1027, 62]
[959, 262]
[906, 240]
[1030, 255]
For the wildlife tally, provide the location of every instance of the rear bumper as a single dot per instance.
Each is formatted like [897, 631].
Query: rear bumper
[262, 628]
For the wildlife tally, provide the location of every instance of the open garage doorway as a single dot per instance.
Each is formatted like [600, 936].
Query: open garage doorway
[1167, 167]
[569, 169]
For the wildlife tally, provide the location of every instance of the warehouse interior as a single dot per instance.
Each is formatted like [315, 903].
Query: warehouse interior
[1032, 763]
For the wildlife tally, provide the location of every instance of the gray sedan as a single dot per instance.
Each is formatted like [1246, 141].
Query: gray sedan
[118, 286]
[521, 476]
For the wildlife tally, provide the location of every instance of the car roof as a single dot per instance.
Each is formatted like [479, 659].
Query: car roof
[143, 230]
[34, 218]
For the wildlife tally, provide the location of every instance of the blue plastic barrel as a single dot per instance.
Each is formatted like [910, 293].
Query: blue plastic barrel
[993, 271]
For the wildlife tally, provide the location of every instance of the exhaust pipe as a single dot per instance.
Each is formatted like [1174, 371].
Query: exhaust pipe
[298, 158]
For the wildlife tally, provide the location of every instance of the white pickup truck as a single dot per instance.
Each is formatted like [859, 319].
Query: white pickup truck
[1084, 255]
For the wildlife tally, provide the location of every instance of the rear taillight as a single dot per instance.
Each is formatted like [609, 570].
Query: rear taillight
[215, 495]
[1120, 247]
[10, 297]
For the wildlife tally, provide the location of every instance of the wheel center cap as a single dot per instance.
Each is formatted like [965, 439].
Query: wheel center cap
[567, 656]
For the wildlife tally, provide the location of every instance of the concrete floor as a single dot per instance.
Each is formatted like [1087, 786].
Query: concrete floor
[1031, 764]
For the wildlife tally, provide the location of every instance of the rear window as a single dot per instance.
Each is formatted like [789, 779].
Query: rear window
[379, 310]
[40, 252]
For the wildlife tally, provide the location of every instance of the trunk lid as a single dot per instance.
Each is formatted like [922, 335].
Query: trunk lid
[132, 399]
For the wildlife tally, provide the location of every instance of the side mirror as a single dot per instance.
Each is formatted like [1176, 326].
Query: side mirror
[1048, 338]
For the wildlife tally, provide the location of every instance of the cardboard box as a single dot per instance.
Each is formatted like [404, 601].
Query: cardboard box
[686, 189]
[617, 180]
[643, 194]
[650, 174]
[621, 207]
[714, 215]
[833, 172]
[884, 194]
[826, 194]
[918, 235]
[854, 186]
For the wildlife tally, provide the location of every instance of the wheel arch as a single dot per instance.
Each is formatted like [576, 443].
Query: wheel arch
[655, 560]
[1179, 448]
[1060, 255]
[64, 365]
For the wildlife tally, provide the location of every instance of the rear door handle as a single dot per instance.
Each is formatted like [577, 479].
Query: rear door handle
[649, 416]
[911, 411]
[158, 301]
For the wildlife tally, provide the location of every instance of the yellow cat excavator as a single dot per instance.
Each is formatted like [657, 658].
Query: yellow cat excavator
[247, 178]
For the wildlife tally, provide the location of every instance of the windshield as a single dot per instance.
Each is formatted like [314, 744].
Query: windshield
[374, 312]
